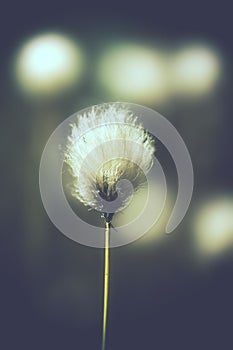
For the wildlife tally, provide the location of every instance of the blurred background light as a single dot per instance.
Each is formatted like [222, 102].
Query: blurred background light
[214, 226]
[136, 207]
[49, 63]
[195, 70]
[133, 72]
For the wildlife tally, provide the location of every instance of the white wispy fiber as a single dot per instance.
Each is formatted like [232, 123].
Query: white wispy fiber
[106, 144]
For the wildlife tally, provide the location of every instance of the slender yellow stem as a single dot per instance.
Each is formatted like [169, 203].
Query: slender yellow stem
[106, 283]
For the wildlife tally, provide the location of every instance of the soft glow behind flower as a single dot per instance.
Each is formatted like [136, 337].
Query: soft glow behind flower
[106, 145]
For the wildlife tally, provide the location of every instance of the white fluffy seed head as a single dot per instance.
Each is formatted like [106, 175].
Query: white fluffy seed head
[106, 144]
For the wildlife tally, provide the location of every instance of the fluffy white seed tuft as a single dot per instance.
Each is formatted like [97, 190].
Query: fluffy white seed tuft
[106, 144]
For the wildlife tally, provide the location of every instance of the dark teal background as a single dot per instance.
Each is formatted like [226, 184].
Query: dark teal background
[161, 297]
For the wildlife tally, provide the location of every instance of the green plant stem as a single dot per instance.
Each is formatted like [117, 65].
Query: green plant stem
[106, 284]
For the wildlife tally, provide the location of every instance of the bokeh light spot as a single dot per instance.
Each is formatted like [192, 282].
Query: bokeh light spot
[195, 70]
[48, 63]
[214, 226]
[134, 72]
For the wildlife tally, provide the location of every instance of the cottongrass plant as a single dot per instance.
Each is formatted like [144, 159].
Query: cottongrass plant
[107, 144]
